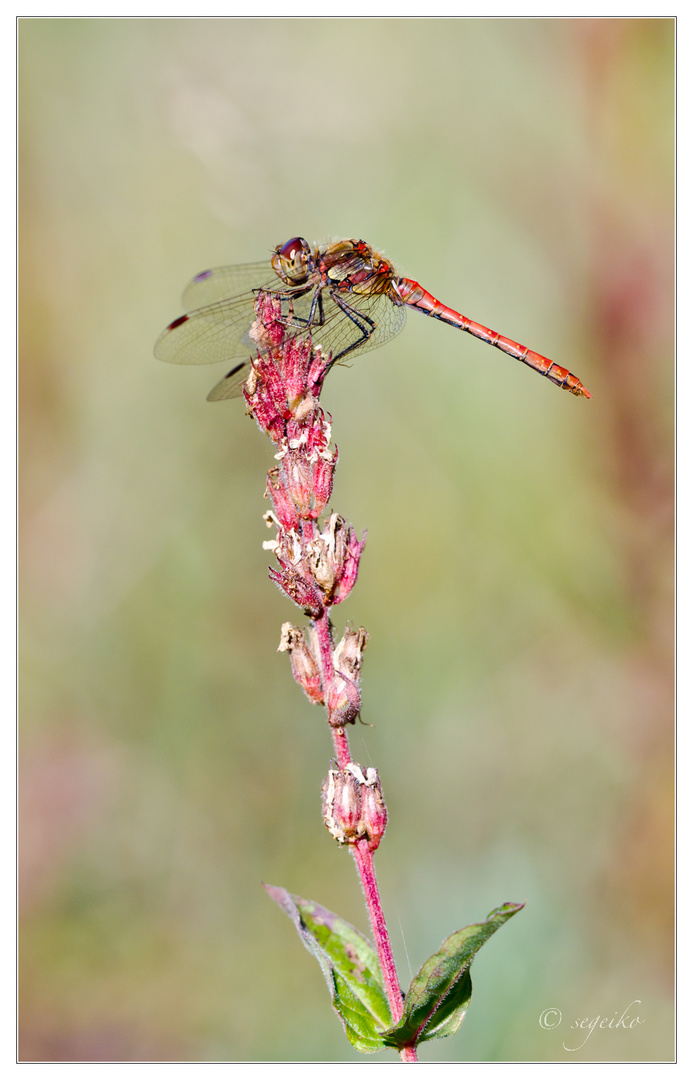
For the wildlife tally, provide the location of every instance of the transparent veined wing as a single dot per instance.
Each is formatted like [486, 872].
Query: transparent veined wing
[231, 386]
[225, 282]
[209, 335]
[368, 322]
[345, 334]
[220, 310]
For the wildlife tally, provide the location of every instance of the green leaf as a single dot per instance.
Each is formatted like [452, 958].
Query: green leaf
[440, 994]
[350, 966]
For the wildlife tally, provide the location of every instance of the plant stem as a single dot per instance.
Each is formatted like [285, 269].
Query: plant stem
[363, 857]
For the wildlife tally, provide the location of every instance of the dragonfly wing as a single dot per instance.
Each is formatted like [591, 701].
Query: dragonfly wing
[375, 316]
[215, 327]
[231, 386]
[227, 281]
[211, 334]
[218, 332]
[335, 334]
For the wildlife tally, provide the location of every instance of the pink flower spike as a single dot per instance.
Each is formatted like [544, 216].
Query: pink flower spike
[318, 566]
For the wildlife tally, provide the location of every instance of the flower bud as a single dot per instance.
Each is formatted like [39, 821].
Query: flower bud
[350, 557]
[321, 566]
[343, 701]
[296, 357]
[373, 811]
[284, 506]
[303, 593]
[266, 398]
[269, 328]
[341, 805]
[323, 476]
[319, 366]
[348, 655]
[295, 476]
[334, 558]
[303, 663]
[263, 410]
[318, 435]
[353, 806]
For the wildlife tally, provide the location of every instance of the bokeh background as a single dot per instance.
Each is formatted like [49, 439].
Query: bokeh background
[517, 582]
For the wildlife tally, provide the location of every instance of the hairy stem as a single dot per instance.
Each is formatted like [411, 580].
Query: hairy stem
[363, 857]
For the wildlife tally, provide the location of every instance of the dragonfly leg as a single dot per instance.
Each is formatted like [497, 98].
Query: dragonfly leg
[364, 325]
[288, 316]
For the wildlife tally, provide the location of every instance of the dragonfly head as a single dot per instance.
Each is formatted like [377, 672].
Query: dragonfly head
[293, 261]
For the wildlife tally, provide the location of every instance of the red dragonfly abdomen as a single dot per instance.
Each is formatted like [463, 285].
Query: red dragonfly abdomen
[414, 295]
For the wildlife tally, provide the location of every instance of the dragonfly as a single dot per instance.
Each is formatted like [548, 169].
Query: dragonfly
[344, 294]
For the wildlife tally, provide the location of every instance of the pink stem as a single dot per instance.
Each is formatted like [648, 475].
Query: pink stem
[363, 857]
[339, 737]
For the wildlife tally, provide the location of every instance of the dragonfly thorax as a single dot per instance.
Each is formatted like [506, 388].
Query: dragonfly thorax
[353, 265]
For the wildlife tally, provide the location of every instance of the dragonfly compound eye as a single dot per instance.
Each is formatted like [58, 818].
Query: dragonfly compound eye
[292, 261]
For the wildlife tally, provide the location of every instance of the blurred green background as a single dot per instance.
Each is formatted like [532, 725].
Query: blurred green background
[516, 584]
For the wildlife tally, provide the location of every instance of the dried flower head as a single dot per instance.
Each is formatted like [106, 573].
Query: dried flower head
[353, 805]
